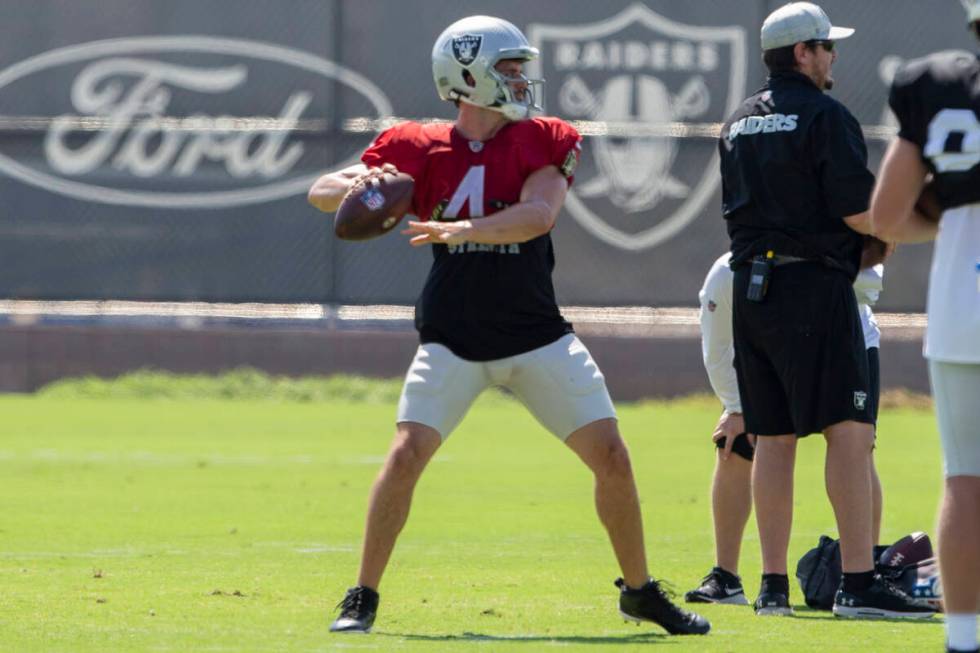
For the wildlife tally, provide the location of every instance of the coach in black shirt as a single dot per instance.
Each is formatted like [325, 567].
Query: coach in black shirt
[796, 190]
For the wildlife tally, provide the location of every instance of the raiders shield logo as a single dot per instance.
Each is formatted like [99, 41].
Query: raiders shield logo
[860, 399]
[466, 48]
[648, 93]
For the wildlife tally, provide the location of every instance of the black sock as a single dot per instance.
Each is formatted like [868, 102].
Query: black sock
[858, 582]
[775, 583]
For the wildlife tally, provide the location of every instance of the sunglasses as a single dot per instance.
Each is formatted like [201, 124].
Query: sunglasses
[827, 44]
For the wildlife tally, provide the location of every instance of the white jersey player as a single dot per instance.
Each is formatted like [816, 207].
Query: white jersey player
[936, 100]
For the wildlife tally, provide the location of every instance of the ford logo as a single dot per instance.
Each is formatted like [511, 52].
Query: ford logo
[119, 125]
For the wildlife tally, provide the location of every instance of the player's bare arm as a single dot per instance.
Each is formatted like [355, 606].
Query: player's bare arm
[328, 191]
[541, 199]
[893, 203]
[861, 223]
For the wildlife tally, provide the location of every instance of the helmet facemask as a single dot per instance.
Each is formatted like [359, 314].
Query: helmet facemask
[516, 95]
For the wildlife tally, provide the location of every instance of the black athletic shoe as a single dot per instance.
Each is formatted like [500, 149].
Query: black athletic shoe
[881, 600]
[956, 650]
[651, 603]
[719, 586]
[357, 611]
[769, 604]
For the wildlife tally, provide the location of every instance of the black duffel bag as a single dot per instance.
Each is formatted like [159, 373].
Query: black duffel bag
[819, 572]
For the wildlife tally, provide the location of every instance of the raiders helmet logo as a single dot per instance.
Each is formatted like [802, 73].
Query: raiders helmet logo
[467, 47]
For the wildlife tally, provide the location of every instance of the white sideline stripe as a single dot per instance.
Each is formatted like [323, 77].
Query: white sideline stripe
[26, 310]
[162, 309]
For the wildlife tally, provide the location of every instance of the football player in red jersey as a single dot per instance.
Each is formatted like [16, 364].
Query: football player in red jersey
[488, 189]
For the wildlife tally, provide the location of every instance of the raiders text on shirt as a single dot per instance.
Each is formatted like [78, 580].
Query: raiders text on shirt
[774, 122]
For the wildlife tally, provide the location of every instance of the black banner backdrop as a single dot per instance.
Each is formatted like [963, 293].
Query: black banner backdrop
[162, 151]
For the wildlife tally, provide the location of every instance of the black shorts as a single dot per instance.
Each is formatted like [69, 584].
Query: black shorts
[741, 446]
[874, 377]
[800, 357]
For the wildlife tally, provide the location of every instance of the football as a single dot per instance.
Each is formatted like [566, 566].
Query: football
[928, 203]
[374, 206]
[907, 551]
[875, 251]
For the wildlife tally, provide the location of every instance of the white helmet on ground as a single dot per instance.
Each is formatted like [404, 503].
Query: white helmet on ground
[475, 45]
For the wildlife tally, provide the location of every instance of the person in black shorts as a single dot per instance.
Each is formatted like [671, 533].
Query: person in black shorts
[795, 194]
[731, 486]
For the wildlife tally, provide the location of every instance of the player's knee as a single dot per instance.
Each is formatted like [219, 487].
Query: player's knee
[781, 448]
[963, 491]
[614, 460]
[409, 455]
[405, 460]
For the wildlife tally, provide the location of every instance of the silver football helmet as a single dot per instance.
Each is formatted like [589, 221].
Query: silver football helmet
[475, 45]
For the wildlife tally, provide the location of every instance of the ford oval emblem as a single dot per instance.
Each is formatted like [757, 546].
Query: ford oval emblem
[119, 127]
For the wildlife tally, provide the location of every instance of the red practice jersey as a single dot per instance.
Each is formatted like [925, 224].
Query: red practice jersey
[484, 302]
[440, 160]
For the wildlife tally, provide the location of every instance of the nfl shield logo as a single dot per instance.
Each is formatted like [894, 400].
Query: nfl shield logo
[648, 92]
[466, 48]
[373, 199]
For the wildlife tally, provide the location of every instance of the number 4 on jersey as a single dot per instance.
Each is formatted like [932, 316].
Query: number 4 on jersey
[469, 190]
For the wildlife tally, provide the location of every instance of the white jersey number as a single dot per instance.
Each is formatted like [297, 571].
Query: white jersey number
[469, 190]
[954, 140]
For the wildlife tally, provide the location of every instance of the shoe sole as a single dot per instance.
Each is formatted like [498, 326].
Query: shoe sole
[735, 599]
[353, 631]
[877, 613]
[774, 612]
[638, 621]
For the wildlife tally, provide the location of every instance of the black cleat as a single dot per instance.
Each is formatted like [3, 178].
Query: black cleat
[651, 603]
[772, 604]
[719, 586]
[357, 611]
[881, 600]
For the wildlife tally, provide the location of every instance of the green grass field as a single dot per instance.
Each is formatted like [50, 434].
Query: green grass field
[207, 525]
